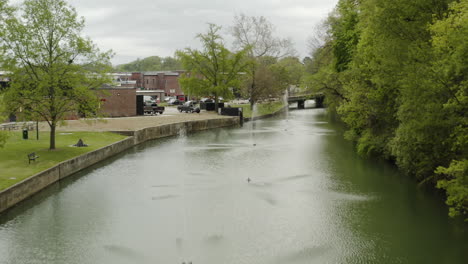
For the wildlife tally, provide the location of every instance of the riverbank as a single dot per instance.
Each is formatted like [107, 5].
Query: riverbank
[31, 185]
[260, 110]
[138, 129]
[15, 165]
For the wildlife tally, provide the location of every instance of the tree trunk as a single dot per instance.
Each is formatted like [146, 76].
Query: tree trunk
[216, 103]
[52, 136]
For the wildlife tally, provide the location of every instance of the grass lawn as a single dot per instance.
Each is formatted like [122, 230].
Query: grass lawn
[262, 109]
[14, 165]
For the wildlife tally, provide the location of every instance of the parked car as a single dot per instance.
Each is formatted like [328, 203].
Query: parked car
[168, 98]
[153, 108]
[188, 106]
[173, 101]
[207, 100]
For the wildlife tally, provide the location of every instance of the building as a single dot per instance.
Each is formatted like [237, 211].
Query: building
[158, 84]
[119, 98]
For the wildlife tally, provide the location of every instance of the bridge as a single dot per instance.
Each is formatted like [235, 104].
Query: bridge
[302, 97]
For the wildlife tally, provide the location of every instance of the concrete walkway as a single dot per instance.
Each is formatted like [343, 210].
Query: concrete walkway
[170, 116]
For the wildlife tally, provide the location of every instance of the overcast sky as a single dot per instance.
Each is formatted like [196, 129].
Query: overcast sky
[141, 28]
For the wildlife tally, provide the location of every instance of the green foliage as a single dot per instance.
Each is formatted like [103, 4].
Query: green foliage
[397, 75]
[328, 82]
[456, 186]
[450, 49]
[214, 70]
[293, 71]
[53, 67]
[153, 63]
[345, 33]
[269, 77]
[265, 80]
[321, 57]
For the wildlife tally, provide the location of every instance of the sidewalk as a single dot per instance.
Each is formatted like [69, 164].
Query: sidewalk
[171, 115]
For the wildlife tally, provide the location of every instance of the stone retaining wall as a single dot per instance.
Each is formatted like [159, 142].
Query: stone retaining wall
[26, 188]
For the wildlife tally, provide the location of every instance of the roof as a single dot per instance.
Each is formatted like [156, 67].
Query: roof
[149, 92]
[170, 73]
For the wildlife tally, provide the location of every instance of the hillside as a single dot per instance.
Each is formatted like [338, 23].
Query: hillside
[153, 63]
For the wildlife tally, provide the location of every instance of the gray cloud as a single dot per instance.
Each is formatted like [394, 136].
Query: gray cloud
[141, 28]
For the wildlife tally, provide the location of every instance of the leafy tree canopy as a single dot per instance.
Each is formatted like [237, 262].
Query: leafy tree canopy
[214, 70]
[396, 72]
[53, 68]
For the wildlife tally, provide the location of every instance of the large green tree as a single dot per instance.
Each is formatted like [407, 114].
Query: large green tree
[53, 68]
[214, 70]
[450, 51]
[399, 71]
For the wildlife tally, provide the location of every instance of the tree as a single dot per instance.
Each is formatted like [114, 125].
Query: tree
[153, 63]
[331, 49]
[267, 81]
[398, 74]
[294, 71]
[450, 50]
[214, 70]
[53, 68]
[256, 34]
[382, 63]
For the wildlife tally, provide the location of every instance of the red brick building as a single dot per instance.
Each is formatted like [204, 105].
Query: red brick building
[119, 98]
[118, 101]
[161, 83]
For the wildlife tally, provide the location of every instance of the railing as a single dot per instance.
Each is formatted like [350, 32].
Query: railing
[17, 125]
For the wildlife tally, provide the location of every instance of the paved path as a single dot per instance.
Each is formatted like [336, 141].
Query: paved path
[171, 115]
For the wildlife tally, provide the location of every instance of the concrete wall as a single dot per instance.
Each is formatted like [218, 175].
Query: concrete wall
[26, 188]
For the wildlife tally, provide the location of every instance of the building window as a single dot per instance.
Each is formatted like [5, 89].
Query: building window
[146, 81]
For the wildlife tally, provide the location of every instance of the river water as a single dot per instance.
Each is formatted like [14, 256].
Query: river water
[310, 199]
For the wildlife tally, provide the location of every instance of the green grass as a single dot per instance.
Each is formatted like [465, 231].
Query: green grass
[14, 165]
[262, 109]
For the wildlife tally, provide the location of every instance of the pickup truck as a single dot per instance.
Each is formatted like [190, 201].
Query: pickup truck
[188, 106]
[153, 109]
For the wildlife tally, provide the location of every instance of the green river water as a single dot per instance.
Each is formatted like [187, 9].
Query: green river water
[310, 199]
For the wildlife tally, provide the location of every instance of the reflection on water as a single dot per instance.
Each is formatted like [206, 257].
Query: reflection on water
[309, 199]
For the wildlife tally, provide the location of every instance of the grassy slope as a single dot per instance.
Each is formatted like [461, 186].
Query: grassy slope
[14, 165]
